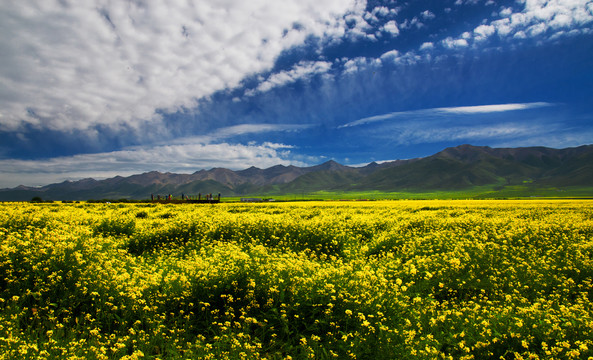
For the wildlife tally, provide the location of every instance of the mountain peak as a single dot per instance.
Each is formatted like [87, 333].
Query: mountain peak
[459, 167]
[329, 165]
[465, 152]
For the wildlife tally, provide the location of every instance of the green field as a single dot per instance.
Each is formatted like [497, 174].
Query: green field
[477, 192]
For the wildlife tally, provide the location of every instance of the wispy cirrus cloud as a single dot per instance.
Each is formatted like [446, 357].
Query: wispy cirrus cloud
[493, 129]
[430, 132]
[442, 111]
[226, 134]
[301, 71]
[480, 109]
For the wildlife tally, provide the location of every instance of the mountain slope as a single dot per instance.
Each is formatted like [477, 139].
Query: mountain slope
[466, 166]
[456, 168]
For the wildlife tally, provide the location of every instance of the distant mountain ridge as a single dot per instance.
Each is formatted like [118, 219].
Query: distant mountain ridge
[454, 168]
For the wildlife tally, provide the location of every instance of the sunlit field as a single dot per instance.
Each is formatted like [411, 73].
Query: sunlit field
[310, 280]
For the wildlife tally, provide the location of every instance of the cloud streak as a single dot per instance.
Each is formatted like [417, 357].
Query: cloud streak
[301, 71]
[482, 109]
[499, 131]
[443, 111]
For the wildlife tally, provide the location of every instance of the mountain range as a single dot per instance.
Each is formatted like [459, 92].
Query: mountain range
[457, 168]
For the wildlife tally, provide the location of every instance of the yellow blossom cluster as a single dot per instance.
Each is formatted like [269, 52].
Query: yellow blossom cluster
[432, 279]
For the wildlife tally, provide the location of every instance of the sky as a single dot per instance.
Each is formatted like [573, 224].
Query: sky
[98, 88]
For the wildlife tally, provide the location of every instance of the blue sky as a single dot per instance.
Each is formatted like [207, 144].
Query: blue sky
[100, 88]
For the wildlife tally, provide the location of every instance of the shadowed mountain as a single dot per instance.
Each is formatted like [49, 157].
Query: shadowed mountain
[455, 168]
[466, 166]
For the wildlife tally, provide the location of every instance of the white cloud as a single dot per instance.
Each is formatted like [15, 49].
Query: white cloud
[364, 63]
[394, 56]
[173, 158]
[506, 12]
[236, 130]
[426, 46]
[451, 43]
[482, 32]
[550, 137]
[182, 155]
[384, 11]
[391, 54]
[429, 132]
[76, 65]
[357, 26]
[407, 24]
[481, 109]
[428, 15]
[493, 125]
[503, 27]
[537, 29]
[466, 2]
[381, 11]
[302, 70]
[425, 127]
[539, 16]
[181, 158]
[520, 35]
[391, 27]
[492, 108]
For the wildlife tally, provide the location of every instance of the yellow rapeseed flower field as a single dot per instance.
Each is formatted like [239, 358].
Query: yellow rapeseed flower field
[312, 280]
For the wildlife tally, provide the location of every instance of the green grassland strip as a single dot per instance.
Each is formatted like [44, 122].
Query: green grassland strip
[478, 192]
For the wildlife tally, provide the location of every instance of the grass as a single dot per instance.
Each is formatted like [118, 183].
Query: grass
[479, 192]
